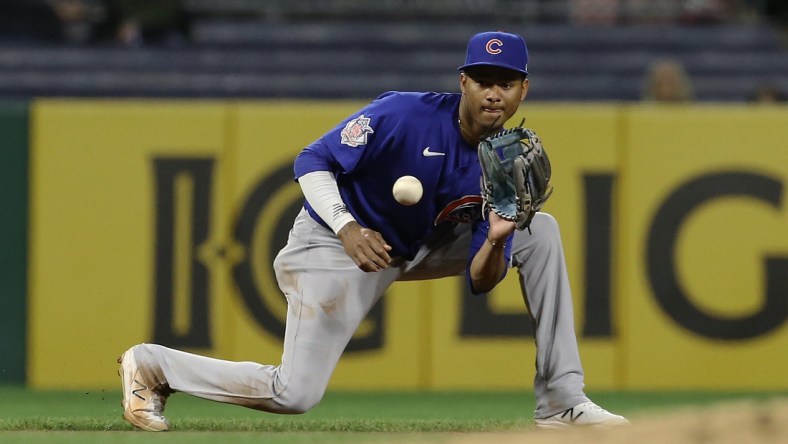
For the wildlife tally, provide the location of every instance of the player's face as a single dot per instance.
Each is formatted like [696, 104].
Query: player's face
[492, 95]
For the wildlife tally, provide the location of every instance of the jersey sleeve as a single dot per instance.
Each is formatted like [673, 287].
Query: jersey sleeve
[353, 143]
[479, 230]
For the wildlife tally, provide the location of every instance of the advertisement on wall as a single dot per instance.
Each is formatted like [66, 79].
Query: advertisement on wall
[158, 221]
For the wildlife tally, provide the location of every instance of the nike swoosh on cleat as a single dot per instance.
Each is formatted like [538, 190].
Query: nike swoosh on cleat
[428, 153]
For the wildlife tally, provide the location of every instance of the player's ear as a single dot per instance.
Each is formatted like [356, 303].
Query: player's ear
[524, 92]
[463, 81]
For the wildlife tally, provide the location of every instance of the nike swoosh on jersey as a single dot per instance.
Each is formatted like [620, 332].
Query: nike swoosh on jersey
[428, 153]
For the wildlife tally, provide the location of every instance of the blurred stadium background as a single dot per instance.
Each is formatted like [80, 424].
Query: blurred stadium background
[597, 50]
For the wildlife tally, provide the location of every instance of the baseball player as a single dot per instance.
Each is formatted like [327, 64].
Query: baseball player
[352, 240]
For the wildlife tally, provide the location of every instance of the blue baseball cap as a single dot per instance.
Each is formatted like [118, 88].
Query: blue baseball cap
[497, 49]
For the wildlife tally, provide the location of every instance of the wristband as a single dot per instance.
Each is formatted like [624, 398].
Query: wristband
[494, 244]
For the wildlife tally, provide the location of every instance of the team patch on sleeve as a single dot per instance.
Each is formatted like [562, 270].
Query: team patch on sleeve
[356, 131]
[464, 210]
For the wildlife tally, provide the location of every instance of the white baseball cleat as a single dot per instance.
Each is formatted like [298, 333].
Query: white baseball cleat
[584, 414]
[142, 403]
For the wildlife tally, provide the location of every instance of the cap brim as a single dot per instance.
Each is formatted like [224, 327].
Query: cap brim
[511, 68]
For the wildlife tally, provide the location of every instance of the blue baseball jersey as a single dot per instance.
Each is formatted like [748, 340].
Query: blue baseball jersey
[399, 134]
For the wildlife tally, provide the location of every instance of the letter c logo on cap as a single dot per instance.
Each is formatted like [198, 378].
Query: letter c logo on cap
[494, 46]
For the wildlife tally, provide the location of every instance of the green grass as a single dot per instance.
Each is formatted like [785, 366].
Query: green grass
[95, 416]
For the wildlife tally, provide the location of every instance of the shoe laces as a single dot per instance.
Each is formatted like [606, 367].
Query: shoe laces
[592, 407]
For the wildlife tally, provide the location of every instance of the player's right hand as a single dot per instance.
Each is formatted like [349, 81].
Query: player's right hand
[500, 228]
[365, 246]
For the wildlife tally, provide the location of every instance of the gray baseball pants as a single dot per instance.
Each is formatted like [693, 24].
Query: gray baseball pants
[328, 297]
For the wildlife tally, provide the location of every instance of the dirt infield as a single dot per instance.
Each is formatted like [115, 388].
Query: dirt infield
[739, 423]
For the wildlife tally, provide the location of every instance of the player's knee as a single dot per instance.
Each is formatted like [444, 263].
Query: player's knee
[543, 237]
[547, 232]
[298, 403]
[544, 222]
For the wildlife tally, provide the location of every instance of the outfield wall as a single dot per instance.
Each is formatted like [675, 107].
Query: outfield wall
[157, 221]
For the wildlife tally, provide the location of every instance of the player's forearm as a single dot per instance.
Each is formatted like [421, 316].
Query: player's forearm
[488, 266]
[321, 191]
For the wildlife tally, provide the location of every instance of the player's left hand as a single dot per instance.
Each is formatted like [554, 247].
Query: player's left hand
[365, 246]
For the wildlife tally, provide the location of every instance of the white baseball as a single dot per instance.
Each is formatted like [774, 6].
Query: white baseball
[407, 190]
